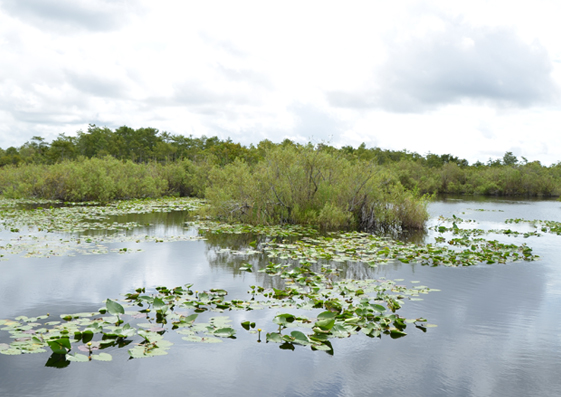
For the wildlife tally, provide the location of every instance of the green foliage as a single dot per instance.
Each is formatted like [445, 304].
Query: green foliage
[102, 180]
[304, 185]
[186, 164]
[509, 159]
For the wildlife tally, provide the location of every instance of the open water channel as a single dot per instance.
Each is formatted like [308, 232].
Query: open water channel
[498, 334]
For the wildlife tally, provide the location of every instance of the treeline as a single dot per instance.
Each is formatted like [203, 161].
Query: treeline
[528, 179]
[430, 173]
[142, 145]
[150, 145]
[103, 164]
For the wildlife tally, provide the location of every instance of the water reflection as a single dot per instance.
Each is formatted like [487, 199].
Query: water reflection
[227, 252]
[153, 224]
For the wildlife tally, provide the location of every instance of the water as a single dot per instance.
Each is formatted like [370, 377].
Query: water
[497, 335]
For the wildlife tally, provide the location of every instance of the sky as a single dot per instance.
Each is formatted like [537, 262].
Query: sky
[474, 79]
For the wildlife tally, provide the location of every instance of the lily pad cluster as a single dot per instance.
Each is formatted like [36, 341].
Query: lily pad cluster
[140, 322]
[44, 225]
[49, 245]
[545, 226]
[454, 229]
[374, 250]
[15, 203]
[78, 219]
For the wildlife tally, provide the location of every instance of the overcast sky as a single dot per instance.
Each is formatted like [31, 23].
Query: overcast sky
[474, 79]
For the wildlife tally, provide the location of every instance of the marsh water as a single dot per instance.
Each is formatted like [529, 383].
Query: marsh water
[498, 334]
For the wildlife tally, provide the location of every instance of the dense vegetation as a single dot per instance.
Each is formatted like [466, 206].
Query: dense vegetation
[352, 188]
[304, 185]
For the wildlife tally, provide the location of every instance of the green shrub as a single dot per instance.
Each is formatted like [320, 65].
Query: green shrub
[303, 185]
[95, 179]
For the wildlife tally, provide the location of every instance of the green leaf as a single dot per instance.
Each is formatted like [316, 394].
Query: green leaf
[114, 307]
[102, 357]
[60, 346]
[395, 333]
[340, 331]
[300, 337]
[159, 304]
[322, 347]
[146, 298]
[283, 318]
[190, 319]
[78, 358]
[274, 337]
[326, 324]
[326, 315]
[225, 332]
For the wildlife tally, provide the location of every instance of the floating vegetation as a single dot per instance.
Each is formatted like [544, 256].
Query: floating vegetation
[544, 226]
[240, 228]
[355, 247]
[552, 227]
[455, 219]
[47, 245]
[479, 232]
[39, 227]
[376, 250]
[334, 308]
[78, 219]
[15, 203]
[373, 250]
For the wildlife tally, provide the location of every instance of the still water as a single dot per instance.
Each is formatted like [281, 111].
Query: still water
[498, 334]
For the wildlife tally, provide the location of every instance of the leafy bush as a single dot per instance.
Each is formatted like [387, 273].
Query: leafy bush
[95, 179]
[303, 185]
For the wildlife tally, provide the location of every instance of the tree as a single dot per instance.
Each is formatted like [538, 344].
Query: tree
[62, 148]
[509, 159]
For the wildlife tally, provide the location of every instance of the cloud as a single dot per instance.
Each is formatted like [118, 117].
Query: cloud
[255, 79]
[201, 97]
[459, 63]
[97, 85]
[314, 125]
[72, 15]
[222, 87]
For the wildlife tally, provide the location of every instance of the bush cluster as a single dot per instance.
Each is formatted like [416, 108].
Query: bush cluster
[95, 179]
[304, 185]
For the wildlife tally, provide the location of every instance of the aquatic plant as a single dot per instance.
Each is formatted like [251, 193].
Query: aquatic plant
[545, 226]
[36, 226]
[339, 308]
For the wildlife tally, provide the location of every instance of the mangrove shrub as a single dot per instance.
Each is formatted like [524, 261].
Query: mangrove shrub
[305, 185]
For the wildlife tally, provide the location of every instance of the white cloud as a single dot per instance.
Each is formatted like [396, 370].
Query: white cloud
[489, 66]
[413, 75]
[70, 16]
